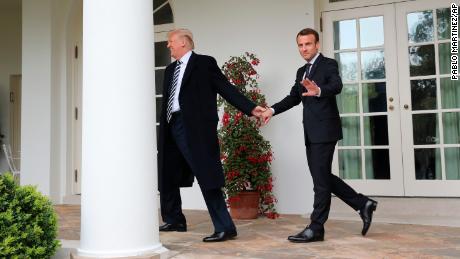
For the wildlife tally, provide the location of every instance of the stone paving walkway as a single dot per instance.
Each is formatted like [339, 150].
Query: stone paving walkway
[266, 238]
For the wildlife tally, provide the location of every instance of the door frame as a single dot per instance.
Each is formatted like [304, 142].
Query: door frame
[76, 116]
[326, 5]
[15, 118]
[413, 187]
[74, 54]
[406, 173]
[393, 186]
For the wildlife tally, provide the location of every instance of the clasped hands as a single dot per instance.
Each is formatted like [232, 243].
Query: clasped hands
[262, 113]
[265, 113]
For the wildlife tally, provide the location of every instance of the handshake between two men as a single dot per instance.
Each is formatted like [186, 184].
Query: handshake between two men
[265, 113]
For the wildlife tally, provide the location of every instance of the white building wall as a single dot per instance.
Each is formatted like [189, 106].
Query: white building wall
[10, 63]
[267, 28]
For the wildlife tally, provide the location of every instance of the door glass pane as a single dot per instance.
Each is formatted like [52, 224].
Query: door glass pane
[375, 130]
[350, 164]
[348, 65]
[452, 163]
[162, 55]
[163, 15]
[371, 31]
[444, 58]
[159, 75]
[377, 163]
[443, 21]
[157, 3]
[421, 60]
[345, 34]
[374, 97]
[450, 93]
[423, 94]
[427, 164]
[347, 100]
[451, 125]
[425, 129]
[372, 64]
[351, 132]
[420, 26]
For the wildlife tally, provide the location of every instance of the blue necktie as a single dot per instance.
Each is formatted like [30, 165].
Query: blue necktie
[172, 90]
[307, 71]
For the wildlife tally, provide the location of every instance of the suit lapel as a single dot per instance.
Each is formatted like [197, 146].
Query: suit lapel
[315, 65]
[188, 70]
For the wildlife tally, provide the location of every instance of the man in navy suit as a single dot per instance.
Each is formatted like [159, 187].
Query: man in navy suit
[188, 144]
[316, 85]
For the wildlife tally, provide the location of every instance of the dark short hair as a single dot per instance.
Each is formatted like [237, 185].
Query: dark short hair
[308, 31]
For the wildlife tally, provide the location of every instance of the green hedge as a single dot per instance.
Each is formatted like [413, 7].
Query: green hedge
[28, 222]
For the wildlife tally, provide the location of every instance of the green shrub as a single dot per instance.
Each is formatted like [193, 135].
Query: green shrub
[28, 222]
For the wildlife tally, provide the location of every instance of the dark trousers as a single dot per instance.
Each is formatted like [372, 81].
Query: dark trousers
[171, 203]
[319, 156]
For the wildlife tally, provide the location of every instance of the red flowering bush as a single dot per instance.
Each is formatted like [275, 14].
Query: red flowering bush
[246, 156]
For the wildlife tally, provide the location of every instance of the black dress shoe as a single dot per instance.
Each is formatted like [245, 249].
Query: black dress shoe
[179, 227]
[366, 215]
[220, 236]
[307, 235]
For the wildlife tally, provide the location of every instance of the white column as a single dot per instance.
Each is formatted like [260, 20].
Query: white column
[119, 216]
[36, 95]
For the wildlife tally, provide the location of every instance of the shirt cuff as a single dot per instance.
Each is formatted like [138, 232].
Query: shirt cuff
[273, 110]
[319, 92]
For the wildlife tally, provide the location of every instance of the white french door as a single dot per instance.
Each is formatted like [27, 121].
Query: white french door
[393, 59]
[369, 156]
[430, 112]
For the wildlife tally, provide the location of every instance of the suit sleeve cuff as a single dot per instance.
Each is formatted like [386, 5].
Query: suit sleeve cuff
[319, 92]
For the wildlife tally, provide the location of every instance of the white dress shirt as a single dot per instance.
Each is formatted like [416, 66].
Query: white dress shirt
[184, 59]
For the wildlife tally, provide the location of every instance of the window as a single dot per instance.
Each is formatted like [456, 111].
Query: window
[163, 22]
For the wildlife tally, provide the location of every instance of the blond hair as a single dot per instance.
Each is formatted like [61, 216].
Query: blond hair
[184, 33]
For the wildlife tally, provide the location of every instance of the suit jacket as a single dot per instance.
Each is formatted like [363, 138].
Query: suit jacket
[201, 83]
[321, 118]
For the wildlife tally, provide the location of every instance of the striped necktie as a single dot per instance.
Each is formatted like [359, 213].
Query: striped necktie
[172, 90]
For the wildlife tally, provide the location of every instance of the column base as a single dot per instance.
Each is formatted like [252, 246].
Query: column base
[162, 253]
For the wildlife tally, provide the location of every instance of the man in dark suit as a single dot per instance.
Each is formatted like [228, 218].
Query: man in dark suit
[316, 85]
[188, 144]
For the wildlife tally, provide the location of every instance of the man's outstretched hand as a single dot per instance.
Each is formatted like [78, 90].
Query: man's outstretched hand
[312, 88]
